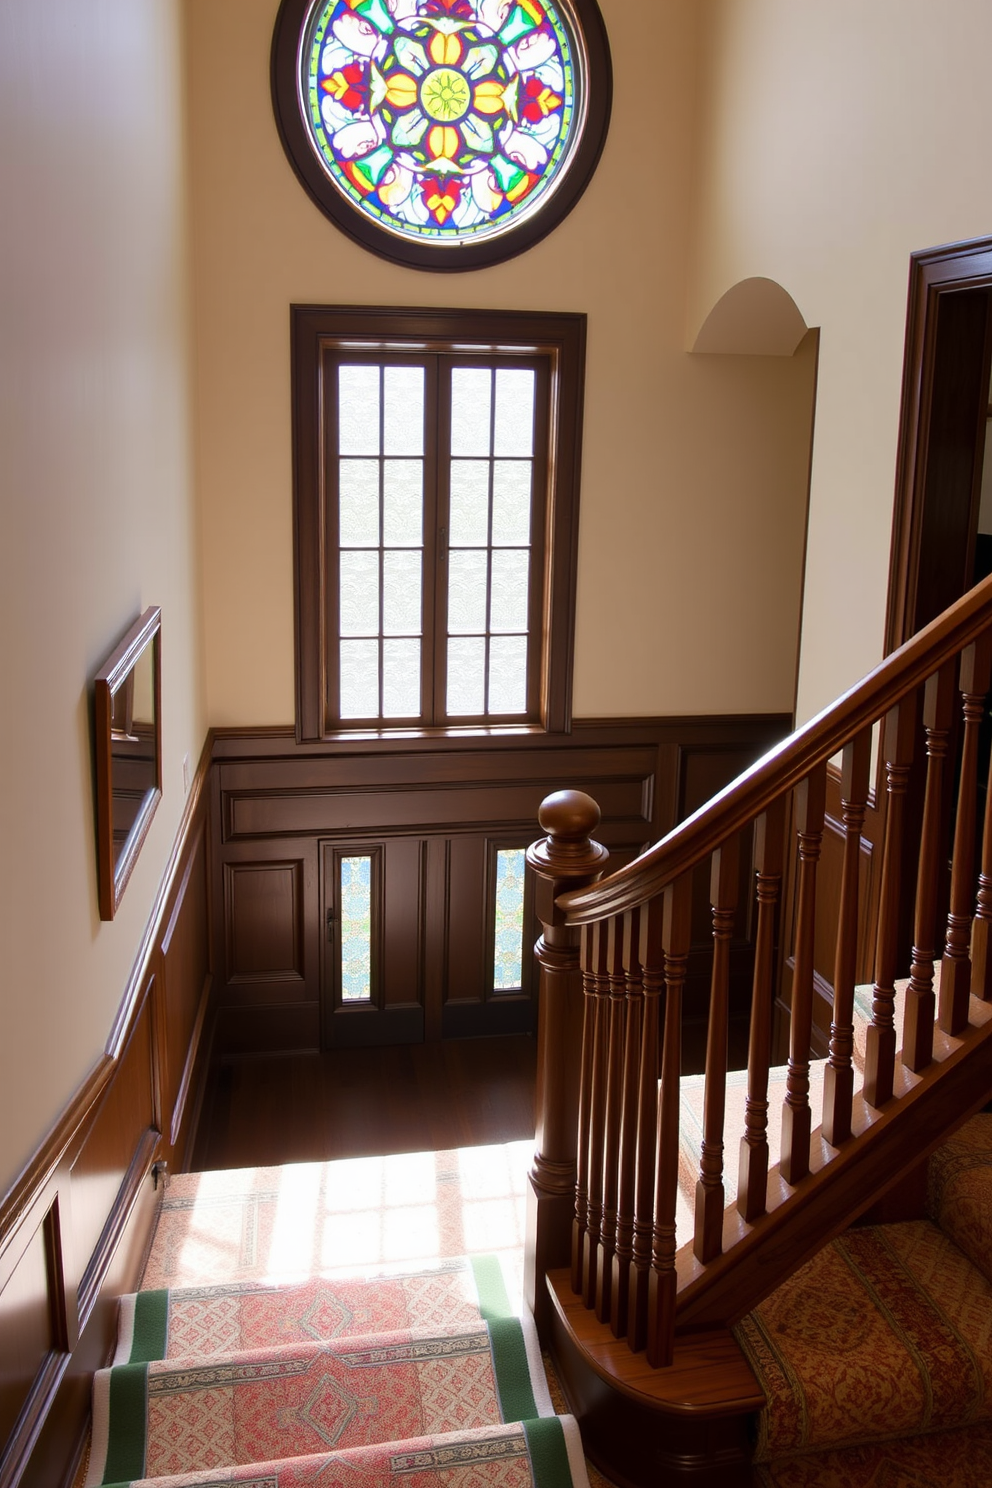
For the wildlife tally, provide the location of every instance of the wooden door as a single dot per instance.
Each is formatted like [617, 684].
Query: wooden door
[426, 937]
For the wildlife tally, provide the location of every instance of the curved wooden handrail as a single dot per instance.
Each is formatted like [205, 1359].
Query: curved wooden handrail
[786, 765]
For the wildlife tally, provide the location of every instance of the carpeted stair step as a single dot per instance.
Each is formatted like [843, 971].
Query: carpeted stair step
[291, 1400]
[876, 1357]
[541, 1453]
[205, 1320]
[221, 1376]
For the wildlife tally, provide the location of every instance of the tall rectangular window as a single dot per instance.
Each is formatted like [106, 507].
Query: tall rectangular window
[436, 483]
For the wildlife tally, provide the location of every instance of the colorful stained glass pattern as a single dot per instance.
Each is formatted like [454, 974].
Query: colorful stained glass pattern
[509, 938]
[355, 891]
[442, 120]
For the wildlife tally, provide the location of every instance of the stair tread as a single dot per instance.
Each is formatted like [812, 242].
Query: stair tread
[220, 1318]
[887, 1332]
[519, 1454]
[292, 1399]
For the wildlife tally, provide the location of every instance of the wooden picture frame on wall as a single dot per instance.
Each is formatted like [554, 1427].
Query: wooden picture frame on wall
[128, 751]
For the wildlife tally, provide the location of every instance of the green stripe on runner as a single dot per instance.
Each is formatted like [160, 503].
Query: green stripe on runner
[151, 1327]
[548, 1453]
[491, 1288]
[128, 1406]
[516, 1393]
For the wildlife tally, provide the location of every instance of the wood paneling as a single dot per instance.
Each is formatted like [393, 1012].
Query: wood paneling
[263, 907]
[435, 807]
[75, 1225]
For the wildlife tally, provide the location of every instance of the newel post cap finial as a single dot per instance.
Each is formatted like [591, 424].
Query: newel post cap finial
[568, 852]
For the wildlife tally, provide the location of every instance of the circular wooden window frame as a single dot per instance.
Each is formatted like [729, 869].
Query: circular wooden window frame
[457, 256]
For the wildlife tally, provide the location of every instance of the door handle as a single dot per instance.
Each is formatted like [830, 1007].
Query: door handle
[330, 924]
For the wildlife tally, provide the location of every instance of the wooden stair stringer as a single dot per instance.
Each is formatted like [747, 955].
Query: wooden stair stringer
[844, 1181]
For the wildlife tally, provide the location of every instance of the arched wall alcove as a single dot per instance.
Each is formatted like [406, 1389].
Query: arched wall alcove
[756, 317]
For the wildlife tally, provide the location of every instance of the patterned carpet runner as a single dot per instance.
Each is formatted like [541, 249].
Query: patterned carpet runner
[426, 1376]
[876, 1357]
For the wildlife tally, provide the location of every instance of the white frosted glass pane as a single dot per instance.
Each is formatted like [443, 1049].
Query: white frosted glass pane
[511, 502]
[403, 411]
[469, 507]
[508, 941]
[514, 423]
[508, 674]
[356, 929]
[466, 592]
[358, 503]
[359, 593]
[508, 600]
[358, 410]
[466, 676]
[471, 391]
[359, 679]
[403, 503]
[401, 608]
[401, 679]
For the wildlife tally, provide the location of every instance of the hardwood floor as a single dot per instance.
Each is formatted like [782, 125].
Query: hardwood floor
[263, 1110]
[260, 1110]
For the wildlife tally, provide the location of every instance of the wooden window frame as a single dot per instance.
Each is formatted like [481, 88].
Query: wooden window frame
[317, 331]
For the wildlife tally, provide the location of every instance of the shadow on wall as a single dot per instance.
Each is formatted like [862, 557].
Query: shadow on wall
[757, 317]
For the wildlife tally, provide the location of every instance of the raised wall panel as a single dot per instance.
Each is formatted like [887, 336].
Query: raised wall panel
[125, 1115]
[433, 804]
[28, 1333]
[264, 918]
[462, 807]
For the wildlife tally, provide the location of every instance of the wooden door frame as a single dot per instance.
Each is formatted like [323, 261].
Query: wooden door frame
[933, 273]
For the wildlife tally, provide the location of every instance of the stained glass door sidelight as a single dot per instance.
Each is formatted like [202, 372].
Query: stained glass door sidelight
[436, 500]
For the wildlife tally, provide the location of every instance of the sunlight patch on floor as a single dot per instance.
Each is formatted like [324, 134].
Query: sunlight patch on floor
[357, 1215]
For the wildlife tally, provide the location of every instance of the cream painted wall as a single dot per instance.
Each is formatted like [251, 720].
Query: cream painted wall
[695, 468]
[835, 140]
[96, 514]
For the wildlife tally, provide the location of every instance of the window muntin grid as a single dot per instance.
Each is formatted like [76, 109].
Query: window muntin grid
[438, 472]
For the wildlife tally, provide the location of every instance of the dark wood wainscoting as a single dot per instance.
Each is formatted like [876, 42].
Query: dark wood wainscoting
[432, 812]
[75, 1226]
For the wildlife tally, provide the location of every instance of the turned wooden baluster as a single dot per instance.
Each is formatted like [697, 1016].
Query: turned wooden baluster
[626, 1175]
[838, 1076]
[810, 803]
[955, 968]
[917, 1032]
[662, 1279]
[614, 1104]
[710, 1199]
[752, 1180]
[580, 1223]
[981, 934]
[595, 973]
[565, 859]
[880, 1044]
[652, 959]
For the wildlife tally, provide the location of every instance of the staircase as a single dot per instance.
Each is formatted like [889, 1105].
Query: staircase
[638, 1292]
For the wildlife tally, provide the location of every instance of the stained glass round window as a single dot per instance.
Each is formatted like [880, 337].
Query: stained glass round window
[442, 133]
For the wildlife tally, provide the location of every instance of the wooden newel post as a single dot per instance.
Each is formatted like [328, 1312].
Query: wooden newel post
[565, 859]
